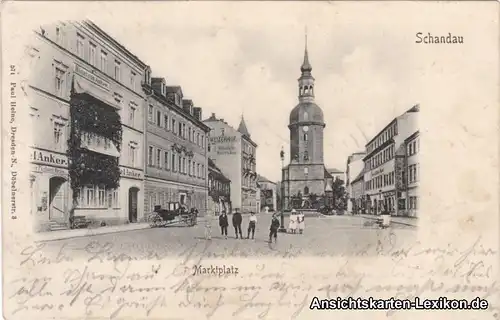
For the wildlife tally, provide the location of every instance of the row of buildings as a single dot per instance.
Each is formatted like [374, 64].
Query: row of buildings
[112, 143]
[385, 176]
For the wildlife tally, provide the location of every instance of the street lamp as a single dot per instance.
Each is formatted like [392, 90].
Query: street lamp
[282, 218]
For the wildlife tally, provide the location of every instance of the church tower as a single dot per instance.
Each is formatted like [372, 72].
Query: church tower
[306, 172]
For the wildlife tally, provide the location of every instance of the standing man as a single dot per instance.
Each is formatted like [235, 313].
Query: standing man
[237, 219]
[273, 230]
[223, 223]
[251, 225]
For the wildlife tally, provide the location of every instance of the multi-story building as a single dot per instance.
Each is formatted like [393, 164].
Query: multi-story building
[219, 190]
[234, 152]
[268, 197]
[357, 194]
[412, 174]
[384, 165]
[355, 166]
[85, 91]
[176, 157]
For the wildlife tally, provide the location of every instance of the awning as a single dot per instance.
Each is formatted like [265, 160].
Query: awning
[99, 144]
[81, 85]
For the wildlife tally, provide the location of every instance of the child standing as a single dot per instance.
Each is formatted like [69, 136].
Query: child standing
[301, 222]
[251, 225]
[292, 225]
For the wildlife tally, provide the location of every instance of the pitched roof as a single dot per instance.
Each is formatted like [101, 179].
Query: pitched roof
[360, 176]
[174, 88]
[327, 174]
[242, 128]
[217, 173]
[334, 170]
[263, 179]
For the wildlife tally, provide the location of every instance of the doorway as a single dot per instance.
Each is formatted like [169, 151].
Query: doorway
[132, 204]
[57, 198]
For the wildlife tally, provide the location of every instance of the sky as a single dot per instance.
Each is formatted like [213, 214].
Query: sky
[235, 59]
[231, 64]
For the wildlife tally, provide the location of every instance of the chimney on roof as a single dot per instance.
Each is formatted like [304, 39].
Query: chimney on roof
[197, 113]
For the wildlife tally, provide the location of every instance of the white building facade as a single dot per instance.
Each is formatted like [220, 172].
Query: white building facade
[90, 165]
[355, 166]
[234, 153]
[384, 175]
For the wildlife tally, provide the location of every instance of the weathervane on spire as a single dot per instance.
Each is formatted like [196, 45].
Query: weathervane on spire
[306, 36]
[306, 66]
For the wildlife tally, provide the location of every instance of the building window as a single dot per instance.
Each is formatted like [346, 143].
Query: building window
[150, 113]
[59, 82]
[58, 131]
[180, 129]
[80, 46]
[197, 138]
[92, 54]
[158, 118]
[131, 116]
[166, 158]
[222, 131]
[306, 190]
[203, 172]
[202, 141]
[180, 164]
[173, 125]
[173, 162]
[132, 80]
[150, 156]
[104, 62]
[198, 170]
[118, 74]
[190, 135]
[132, 150]
[306, 156]
[305, 137]
[190, 171]
[165, 122]
[158, 158]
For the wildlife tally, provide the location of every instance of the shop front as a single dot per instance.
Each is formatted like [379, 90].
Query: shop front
[50, 190]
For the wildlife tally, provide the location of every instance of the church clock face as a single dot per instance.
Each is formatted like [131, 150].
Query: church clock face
[306, 128]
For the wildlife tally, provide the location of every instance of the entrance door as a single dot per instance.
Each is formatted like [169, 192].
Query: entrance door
[56, 198]
[132, 204]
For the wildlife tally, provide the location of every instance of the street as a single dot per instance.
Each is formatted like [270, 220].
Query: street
[323, 236]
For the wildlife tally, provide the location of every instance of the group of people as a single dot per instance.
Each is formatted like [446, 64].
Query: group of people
[237, 220]
[297, 222]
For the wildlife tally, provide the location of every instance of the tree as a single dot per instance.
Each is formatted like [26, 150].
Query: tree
[339, 194]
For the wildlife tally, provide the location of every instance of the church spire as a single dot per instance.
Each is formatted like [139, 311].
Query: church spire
[306, 66]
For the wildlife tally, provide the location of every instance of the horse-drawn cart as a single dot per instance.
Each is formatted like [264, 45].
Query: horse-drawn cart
[173, 214]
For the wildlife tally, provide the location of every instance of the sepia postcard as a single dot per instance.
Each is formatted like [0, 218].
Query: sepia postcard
[250, 160]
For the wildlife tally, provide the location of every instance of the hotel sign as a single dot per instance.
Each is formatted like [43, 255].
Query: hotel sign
[53, 170]
[49, 158]
[131, 173]
[223, 145]
[91, 77]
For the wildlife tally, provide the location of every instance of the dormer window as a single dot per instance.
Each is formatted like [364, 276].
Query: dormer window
[163, 89]
[176, 99]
